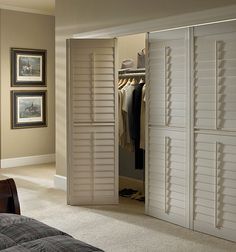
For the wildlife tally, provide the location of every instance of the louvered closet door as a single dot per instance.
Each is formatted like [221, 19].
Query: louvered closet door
[215, 129]
[167, 73]
[215, 77]
[215, 185]
[92, 131]
[167, 171]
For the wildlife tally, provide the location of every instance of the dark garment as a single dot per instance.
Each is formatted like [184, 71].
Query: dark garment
[135, 133]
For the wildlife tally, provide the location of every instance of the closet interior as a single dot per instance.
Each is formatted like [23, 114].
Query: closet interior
[131, 116]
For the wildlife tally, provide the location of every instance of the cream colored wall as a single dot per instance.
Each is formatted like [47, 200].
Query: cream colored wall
[76, 16]
[24, 30]
[129, 46]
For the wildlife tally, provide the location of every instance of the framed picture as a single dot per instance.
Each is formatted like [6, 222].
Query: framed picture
[28, 109]
[28, 67]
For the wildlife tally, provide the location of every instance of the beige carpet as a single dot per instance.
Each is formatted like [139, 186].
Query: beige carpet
[118, 228]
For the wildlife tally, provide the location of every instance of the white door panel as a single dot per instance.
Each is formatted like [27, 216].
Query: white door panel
[215, 77]
[215, 184]
[93, 142]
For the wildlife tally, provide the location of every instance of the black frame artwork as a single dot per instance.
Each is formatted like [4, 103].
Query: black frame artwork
[28, 67]
[28, 109]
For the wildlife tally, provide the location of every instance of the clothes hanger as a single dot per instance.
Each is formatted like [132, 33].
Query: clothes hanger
[120, 81]
[134, 81]
[141, 81]
[125, 81]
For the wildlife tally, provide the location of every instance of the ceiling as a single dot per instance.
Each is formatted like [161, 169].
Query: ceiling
[165, 7]
[34, 6]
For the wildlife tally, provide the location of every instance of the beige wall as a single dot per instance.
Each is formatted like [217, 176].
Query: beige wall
[76, 16]
[24, 30]
[129, 46]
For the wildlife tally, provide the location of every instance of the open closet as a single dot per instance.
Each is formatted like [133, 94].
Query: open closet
[131, 110]
[190, 125]
[104, 148]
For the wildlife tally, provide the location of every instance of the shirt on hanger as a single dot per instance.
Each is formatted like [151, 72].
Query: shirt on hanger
[136, 111]
[142, 118]
[127, 108]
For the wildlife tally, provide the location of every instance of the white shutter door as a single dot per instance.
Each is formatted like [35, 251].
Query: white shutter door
[215, 77]
[167, 76]
[166, 176]
[215, 126]
[215, 185]
[166, 164]
[92, 127]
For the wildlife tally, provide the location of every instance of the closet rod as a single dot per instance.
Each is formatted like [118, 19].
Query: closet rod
[126, 71]
[132, 74]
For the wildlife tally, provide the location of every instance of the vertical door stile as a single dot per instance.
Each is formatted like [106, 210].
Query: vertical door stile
[116, 123]
[93, 87]
[190, 126]
[166, 172]
[216, 85]
[167, 117]
[92, 165]
[68, 117]
[147, 111]
[216, 184]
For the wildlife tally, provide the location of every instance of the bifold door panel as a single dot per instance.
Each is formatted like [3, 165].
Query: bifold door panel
[93, 145]
[215, 126]
[93, 157]
[167, 76]
[92, 79]
[215, 81]
[191, 144]
[166, 178]
[215, 185]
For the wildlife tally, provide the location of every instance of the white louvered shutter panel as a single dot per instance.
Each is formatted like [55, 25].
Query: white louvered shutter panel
[93, 143]
[215, 77]
[167, 176]
[215, 185]
[167, 75]
[167, 171]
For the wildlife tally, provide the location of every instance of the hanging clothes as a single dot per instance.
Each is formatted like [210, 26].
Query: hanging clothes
[142, 118]
[130, 107]
[135, 134]
[124, 94]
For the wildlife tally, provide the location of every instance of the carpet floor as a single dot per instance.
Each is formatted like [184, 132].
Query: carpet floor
[115, 228]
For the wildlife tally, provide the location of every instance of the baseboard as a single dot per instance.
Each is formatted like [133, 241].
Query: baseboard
[60, 182]
[24, 161]
[126, 182]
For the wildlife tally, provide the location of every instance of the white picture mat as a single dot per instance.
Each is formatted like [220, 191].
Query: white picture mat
[29, 78]
[29, 119]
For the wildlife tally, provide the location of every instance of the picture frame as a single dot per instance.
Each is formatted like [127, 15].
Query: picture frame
[28, 109]
[28, 67]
